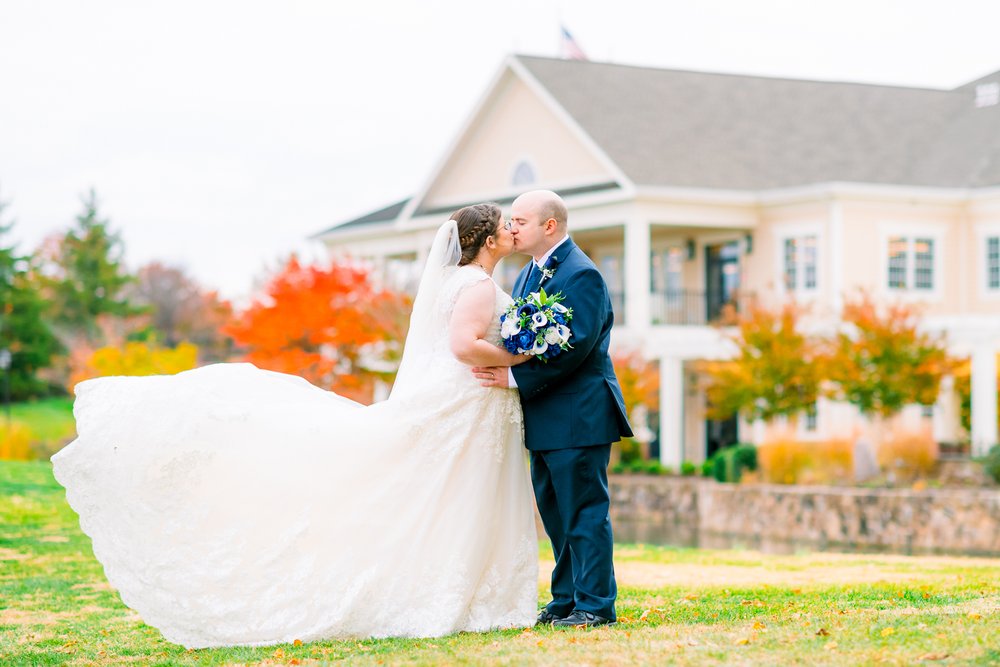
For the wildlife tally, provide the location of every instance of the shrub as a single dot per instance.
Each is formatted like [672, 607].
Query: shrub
[728, 464]
[688, 469]
[618, 469]
[991, 463]
[15, 441]
[785, 460]
[707, 467]
[912, 452]
[654, 467]
[136, 359]
[629, 450]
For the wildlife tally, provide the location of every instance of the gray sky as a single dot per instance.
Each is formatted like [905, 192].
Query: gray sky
[219, 134]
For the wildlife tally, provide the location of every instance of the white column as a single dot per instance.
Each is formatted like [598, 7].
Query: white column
[671, 412]
[984, 399]
[833, 257]
[637, 268]
[946, 412]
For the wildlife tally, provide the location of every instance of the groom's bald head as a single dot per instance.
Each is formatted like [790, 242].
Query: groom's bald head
[546, 205]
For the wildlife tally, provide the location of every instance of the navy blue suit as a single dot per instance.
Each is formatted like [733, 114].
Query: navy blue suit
[573, 411]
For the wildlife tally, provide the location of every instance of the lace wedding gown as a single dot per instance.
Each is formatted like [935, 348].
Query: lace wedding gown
[236, 506]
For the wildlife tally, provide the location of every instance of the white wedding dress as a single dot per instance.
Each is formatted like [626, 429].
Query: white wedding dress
[236, 506]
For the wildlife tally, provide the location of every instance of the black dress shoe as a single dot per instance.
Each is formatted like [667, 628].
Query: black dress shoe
[582, 619]
[546, 617]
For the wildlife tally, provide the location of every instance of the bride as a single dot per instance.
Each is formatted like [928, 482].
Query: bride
[231, 505]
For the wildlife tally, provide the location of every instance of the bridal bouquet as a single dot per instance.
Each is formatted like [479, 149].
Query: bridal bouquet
[537, 325]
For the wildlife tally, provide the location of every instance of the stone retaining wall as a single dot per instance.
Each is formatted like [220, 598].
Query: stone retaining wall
[948, 520]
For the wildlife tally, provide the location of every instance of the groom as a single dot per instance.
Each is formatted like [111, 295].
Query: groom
[573, 411]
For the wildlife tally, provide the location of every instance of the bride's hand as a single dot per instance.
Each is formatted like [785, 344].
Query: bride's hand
[492, 376]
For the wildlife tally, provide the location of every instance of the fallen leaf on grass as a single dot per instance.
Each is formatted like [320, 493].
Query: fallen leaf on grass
[691, 597]
[757, 625]
[974, 616]
[888, 631]
[829, 646]
[297, 642]
[823, 632]
[743, 641]
[934, 656]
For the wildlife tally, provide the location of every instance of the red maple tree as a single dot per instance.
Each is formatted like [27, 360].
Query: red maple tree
[329, 324]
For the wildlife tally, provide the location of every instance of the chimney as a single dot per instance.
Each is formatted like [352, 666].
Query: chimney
[987, 94]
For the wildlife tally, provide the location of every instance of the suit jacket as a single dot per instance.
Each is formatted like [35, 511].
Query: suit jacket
[574, 400]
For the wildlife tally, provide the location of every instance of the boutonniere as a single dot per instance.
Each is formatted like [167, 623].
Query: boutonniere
[548, 270]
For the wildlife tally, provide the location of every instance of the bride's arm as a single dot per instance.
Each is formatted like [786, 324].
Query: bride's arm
[470, 320]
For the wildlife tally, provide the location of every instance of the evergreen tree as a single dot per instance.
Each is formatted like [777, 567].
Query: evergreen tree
[23, 330]
[87, 277]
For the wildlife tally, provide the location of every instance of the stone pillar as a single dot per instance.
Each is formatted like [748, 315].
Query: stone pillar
[672, 412]
[637, 274]
[984, 399]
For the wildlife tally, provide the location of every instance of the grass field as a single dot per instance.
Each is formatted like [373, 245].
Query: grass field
[676, 606]
[50, 421]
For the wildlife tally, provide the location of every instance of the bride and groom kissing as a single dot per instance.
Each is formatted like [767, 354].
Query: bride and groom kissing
[231, 505]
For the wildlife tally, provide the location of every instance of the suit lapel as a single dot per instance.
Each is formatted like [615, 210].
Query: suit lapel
[531, 277]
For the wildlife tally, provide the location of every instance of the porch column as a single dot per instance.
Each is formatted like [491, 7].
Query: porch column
[637, 268]
[984, 399]
[672, 412]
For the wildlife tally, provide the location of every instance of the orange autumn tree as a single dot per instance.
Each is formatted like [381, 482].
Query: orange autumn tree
[881, 362]
[639, 379]
[777, 370]
[329, 324]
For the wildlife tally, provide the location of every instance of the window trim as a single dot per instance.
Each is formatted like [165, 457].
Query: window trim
[910, 232]
[985, 231]
[796, 231]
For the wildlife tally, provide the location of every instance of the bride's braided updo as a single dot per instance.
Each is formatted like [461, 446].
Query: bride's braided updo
[476, 223]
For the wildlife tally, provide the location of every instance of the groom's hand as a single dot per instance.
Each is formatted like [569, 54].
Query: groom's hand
[491, 376]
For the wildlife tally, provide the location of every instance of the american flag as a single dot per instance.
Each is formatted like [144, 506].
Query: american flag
[570, 48]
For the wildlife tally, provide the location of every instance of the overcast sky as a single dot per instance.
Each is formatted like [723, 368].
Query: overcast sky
[220, 134]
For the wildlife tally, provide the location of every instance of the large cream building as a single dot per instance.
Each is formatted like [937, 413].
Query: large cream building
[690, 190]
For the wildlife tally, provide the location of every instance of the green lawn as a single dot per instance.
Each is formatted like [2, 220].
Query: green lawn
[50, 421]
[676, 606]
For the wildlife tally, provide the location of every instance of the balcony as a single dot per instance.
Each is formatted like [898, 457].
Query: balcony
[684, 307]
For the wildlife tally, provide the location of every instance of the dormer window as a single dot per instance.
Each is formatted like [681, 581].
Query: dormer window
[524, 174]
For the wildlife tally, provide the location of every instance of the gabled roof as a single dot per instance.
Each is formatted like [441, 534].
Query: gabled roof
[679, 128]
[387, 214]
[696, 129]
